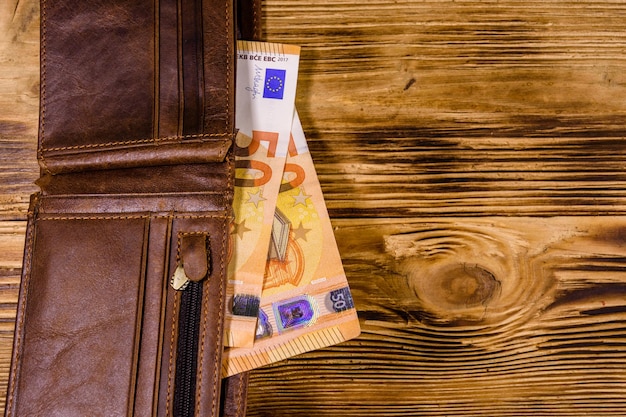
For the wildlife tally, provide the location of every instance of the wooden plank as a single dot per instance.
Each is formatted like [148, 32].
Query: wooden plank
[420, 114]
[472, 158]
[462, 108]
[456, 68]
[19, 104]
[11, 249]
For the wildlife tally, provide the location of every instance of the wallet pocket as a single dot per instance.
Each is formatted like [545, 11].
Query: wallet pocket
[130, 83]
[80, 315]
[191, 368]
[100, 326]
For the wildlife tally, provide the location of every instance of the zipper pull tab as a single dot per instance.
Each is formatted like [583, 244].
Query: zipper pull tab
[193, 264]
[179, 280]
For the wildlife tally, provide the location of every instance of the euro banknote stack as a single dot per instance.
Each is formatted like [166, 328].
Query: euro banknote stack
[287, 290]
[267, 74]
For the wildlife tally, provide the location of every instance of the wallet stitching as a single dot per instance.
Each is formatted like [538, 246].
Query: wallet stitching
[172, 338]
[228, 69]
[156, 101]
[218, 339]
[42, 124]
[132, 142]
[130, 217]
[225, 238]
[255, 21]
[239, 396]
[20, 327]
[181, 235]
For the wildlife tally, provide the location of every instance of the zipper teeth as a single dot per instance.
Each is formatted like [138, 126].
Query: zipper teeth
[187, 350]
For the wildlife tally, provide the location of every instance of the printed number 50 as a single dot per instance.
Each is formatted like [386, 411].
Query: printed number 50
[339, 301]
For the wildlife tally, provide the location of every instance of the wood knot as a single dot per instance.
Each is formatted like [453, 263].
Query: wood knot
[474, 273]
[463, 286]
[454, 291]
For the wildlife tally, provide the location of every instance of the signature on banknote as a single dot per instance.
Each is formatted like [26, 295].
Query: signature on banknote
[257, 79]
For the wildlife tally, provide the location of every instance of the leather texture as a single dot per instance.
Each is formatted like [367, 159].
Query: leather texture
[129, 83]
[136, 131]
[235, 391]
[249, 23]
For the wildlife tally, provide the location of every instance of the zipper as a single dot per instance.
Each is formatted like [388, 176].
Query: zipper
[193, 268]
[187, 350]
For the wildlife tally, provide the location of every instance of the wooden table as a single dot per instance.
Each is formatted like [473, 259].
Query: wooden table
[472, 157]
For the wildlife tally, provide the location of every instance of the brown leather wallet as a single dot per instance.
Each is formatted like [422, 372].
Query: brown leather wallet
[122, 295]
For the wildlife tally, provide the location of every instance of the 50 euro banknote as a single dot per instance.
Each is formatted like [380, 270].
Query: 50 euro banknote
[266, 88]
[306, 302]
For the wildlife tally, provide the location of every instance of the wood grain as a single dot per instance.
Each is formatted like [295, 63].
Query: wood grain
[462, 108]
[19, 105]
[470, 316]
[472, 157]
